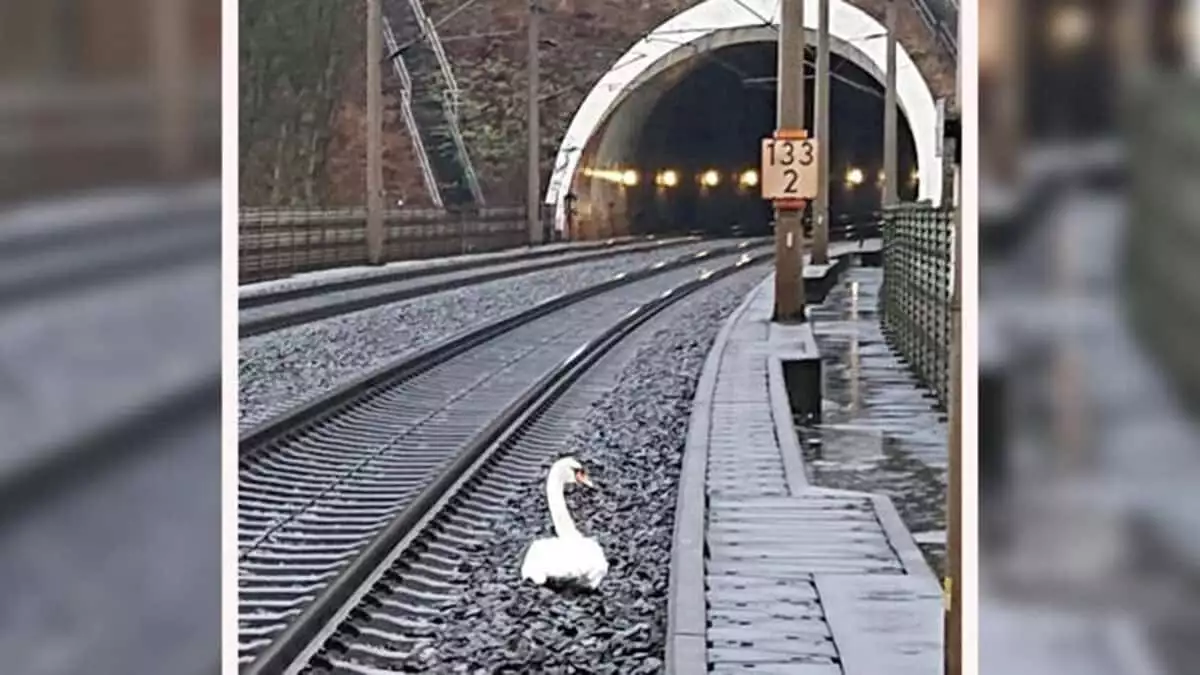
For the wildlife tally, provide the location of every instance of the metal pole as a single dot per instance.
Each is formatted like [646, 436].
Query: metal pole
[948, 167]
[820, 254]
[375, 233]
[172, 71]
[1010, 84]
[533, 196]
[890, 179]
[953, 616]
[952, 619]
[789, 232]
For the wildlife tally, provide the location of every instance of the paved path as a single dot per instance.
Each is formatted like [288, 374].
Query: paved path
[1069, 593]
[797, 579]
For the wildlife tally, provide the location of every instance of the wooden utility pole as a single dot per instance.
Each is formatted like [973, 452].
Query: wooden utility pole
[1137, 24]
[952, 622]
[533, 193]
[952, 619]
[820, 254]
[890, 166]
[789, 231]
[173, 79]
[375, 232]
[1006, 65]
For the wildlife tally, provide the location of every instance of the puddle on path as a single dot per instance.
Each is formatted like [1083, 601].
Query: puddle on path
[880, 432]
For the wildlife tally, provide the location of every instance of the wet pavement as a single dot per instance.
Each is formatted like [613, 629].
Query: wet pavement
[880, 431]
[1099, 514]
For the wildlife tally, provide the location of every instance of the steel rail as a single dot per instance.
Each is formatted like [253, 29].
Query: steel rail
[318, 409]
[609, 248]
[293, 649]
[328, 475]
[308, 313]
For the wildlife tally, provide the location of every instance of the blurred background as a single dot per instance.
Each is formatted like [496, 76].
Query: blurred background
[110, 237]
[1089, 324]
[110, 351]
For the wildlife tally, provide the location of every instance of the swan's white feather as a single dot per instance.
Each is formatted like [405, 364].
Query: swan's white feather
[575, 559]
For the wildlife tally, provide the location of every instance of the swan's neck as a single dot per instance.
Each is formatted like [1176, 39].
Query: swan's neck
[564, 526]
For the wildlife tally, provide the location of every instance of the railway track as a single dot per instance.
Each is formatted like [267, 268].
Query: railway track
[266, 312]
[256, 297]
[327, 493]
[110, 406]
[48, 252]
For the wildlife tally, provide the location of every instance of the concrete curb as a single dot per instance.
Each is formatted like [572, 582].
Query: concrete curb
[897, 532]
[901, 539]
[687, 606]
[785, 434]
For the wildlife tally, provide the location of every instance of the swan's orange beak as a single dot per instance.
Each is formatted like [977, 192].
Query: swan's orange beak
[581, 477]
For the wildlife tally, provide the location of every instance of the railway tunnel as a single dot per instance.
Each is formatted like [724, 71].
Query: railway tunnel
[694, 158]
[668, 140]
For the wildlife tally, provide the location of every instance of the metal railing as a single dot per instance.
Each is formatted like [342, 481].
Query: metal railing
[274, 243]
[429, 32]
[410, 121]
[468, 167]
[917, 268]
[1160, 277]
[451, 103]
[941, 17]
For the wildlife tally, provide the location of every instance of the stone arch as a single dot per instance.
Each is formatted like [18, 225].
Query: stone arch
[714, 24]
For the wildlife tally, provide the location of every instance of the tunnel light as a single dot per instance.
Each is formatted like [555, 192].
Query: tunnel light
[749, 178]
[854, 176]
[1070, 27]
[668, 178]
[629, 178]
[915, 177]
[710, 178]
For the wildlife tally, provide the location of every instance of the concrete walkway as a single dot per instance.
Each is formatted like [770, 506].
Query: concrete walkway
[770, 573]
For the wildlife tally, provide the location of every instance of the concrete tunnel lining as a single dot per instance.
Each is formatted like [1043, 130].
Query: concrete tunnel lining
[644, 73]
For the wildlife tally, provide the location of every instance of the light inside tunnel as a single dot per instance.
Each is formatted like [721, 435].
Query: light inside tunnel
[705, 118]
[629, 178]
[1070, 27]
[854, 176]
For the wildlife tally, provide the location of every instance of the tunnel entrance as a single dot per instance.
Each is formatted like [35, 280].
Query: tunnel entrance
[692, 166]
[699, 89]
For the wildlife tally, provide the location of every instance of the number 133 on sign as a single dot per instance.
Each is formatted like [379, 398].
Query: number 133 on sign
[789, 169]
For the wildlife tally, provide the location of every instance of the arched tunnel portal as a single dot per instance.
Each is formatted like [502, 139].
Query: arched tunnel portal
[668, 140]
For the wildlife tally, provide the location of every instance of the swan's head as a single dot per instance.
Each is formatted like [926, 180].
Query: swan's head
[569, 470]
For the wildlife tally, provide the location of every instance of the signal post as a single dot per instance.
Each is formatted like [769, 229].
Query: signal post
[789, 168]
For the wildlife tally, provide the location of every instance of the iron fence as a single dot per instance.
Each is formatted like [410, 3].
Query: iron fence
[916, 294]
[274, 243]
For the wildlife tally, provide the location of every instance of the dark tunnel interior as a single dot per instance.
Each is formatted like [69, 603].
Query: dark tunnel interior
[713, 120]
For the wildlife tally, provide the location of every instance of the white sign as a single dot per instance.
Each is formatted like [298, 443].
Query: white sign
[789, 169]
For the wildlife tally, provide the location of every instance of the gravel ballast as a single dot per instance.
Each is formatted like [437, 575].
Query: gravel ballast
[631, 442]
[280, 370]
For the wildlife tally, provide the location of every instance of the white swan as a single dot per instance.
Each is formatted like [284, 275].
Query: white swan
[570, 556]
